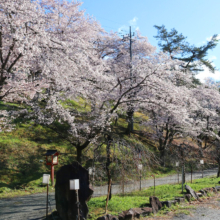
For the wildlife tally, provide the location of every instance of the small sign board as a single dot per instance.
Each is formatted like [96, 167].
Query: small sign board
[46, 178]
[140, 166]
[74, 184]
[55, 159]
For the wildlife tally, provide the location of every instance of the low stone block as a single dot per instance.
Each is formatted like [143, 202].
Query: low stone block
[155, 204]
[126, 215]
[107, 217]
[137, 212]
[214, 190]
[168, 203]
[217, 188]
[188, 197]
[199, 194]
[134, 213]
[180, 199]
[121, 216]
[191, 191]
[203, 192]
[146, 211]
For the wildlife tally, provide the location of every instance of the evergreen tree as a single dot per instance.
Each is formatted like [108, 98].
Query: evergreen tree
[178, 48]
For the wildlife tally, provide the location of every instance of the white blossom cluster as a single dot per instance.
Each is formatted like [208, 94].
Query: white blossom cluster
[76, 59]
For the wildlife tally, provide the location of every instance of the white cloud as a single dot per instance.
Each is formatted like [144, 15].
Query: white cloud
[209, 38]
[132, 23]
[212, 58]
[207, 74]
[123, 28]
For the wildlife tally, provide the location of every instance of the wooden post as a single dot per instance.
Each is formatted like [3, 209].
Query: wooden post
[109, 187]
[191, 173]
[123, 183]
[182, 177]
[77, 199]
[47, 203]
[202, 170]
[93, 178]
[178, 175]
[52, 175]
[154, 184]
[140, 181]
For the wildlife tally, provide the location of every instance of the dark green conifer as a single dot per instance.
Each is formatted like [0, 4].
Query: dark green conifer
[177, 47]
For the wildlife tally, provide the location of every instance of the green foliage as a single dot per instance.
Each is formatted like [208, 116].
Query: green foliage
[80, 105]
[174, 43]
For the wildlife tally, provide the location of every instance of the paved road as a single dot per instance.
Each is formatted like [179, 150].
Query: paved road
[33, 207]
[30, 207]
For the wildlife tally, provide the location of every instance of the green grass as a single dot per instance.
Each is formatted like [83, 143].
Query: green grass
[137, 199]
[80, 105]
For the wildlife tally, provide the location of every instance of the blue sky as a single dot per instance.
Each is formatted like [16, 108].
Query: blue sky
[196, 19]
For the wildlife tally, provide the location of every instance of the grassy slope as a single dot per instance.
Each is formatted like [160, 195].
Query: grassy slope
[21, 151]
[21, 156]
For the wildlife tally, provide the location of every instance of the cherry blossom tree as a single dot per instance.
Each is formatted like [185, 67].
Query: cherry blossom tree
[109, 91]
[22, 35]
[77, 61]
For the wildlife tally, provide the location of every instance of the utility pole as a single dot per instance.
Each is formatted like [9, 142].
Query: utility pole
[130, 111]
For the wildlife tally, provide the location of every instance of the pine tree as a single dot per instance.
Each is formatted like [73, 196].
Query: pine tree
[177, 47]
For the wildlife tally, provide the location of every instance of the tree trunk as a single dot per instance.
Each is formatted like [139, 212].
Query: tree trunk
[79, 154]
[162, 158]
[130, 114]
[162, 152]
[108, 162]
[218, 173]
[184, 173]
[80, 148]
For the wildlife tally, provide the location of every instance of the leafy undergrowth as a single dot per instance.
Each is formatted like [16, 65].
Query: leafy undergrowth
[138, 199]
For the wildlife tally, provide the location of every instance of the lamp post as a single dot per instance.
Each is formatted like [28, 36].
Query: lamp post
[51, 160]
[74, 185]
[202, 163]
[177, 165]
[46, 179]
[140, 166]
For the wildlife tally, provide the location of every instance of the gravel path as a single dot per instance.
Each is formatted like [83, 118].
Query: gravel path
[33, 207]
[206, 211]
[201, 213]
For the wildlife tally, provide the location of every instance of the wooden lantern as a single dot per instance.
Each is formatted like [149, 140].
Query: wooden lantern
[51, 160]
